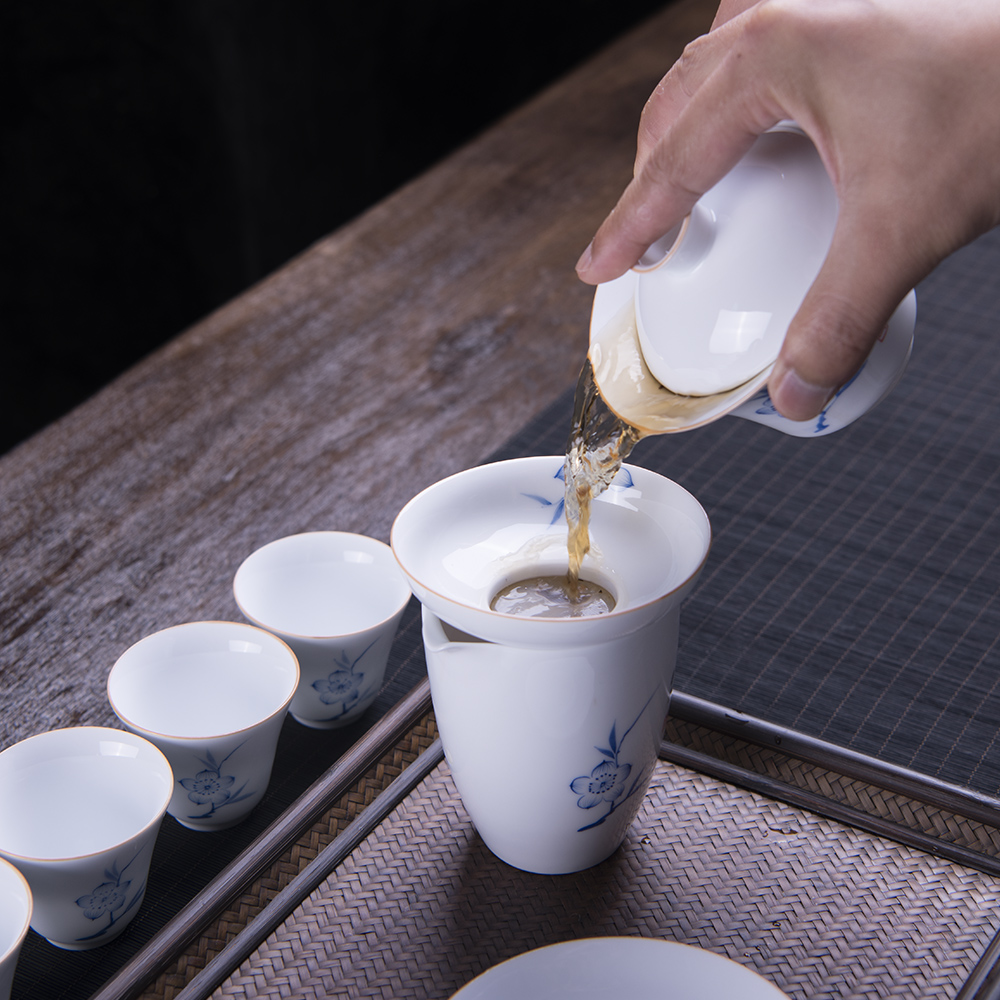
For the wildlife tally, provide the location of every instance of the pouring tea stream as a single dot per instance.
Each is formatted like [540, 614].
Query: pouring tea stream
[551, 725]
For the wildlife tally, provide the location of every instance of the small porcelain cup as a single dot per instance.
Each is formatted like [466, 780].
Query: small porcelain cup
[79, 812]
[336, 598]
[212, 696]
[551, 726]
[15, 916]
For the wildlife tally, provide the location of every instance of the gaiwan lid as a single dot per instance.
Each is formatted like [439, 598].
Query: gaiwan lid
[714, 297]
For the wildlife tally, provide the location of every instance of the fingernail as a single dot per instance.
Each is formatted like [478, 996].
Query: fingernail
[798, 399]
[584, 262]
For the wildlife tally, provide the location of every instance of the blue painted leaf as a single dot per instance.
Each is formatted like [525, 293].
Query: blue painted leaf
[624, 480]
[590, 826]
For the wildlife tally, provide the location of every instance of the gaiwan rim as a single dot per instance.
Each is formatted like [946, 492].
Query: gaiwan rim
[520, 630]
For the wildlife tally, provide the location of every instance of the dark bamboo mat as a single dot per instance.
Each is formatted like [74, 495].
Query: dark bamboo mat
[251, 903]
[185, 863]
[851, 591]
[817, 908]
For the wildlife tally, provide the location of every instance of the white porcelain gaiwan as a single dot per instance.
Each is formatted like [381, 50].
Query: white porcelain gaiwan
[551, 727]
[707, 308]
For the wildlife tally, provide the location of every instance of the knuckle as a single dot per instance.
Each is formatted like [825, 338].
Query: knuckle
[669, 167]
[836, 337]
[695, 62]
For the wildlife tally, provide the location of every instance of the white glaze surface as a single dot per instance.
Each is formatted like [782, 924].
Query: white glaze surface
[715, 312]
[624, 967]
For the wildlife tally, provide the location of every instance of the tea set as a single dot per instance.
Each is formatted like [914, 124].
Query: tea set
[551, 727]
[570, 709]
[202, 705]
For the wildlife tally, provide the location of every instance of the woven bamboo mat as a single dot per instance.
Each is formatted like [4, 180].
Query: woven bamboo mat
[252, 902]
[818, 908]
[924, 824]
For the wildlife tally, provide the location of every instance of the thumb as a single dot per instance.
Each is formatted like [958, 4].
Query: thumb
[861, 283]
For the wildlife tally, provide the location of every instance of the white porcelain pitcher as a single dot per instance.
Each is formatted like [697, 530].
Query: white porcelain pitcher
[707, 308]
[551, 727]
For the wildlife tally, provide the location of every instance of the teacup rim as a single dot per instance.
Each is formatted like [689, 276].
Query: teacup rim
[18, 938]
[319, 637]
[140, 730]
[152, 823]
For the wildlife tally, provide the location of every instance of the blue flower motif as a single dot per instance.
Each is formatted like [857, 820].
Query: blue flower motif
[559, 505]
[608, 781]
[339, 685]
[106, 898]
[627, 482]
[211, 787]
[605, 784]
[110, 899]
[342, 686]
[766, 408]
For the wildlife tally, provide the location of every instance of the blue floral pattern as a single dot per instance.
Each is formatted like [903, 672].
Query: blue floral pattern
[343, 685]
[110, 899]
[623, 481]
[608, 782]
[766, 408]
[213, 788]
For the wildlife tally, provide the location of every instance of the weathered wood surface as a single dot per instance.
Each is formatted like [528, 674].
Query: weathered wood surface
[404, 347]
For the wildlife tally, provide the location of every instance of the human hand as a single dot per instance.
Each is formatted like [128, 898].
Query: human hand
[901, 99]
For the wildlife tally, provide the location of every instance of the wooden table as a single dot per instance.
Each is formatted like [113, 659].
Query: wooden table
[402, 348]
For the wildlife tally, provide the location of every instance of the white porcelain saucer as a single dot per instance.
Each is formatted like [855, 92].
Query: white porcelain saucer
[619, 968]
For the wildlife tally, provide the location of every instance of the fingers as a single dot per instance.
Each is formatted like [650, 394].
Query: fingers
[674, 92]
[702, 118]
[728, 9]
[861, 283]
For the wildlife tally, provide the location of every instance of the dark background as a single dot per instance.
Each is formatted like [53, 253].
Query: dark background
[157, 158]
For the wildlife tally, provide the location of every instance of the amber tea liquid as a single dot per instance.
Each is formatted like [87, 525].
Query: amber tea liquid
[552, 597]
[599, 442]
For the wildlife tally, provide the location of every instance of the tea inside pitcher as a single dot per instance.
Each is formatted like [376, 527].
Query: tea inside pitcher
[552, 597]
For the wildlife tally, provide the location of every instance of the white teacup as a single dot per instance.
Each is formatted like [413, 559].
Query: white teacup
[212, 696]
[79, 812]
[336, 598]
[15, 916]
[551, 726]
